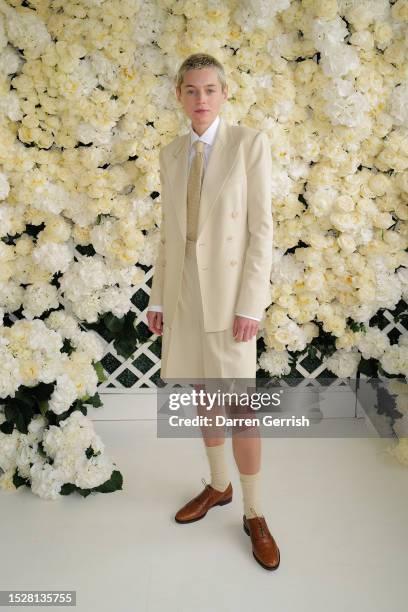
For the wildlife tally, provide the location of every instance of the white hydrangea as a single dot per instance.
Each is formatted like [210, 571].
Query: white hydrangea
[275, 362]
[26, 30]
[40, 338]
[116, 300]
[149, 252]
[4, 187]
[54, 257]
[44, 194]
[9, 444]
[36, 428]
[292, 335]
[64, 394]
[95, 471]
[343, 363]
[251, 14]
[395, 359]
[84, 278]
[82, 372]
[373, 343]
[398, 104]
[88, 308]
[38, 298]
[67, 444]
[73, 435]
[27, 453]
[344, 105]
[10, 377]
[11, 295]
[31, 353]
[90, 343]
[66, 325]
[10, 103]
[46, 480]
[6, 479]
[388, 290]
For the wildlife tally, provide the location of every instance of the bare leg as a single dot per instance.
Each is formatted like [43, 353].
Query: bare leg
[212, 436]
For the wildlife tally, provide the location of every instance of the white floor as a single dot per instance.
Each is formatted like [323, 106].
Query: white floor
[337, 507]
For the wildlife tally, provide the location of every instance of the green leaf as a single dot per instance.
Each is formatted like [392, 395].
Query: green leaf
[19, 413]
[125, 347]
[99, 370]
[67, 488]
[94, 401]
[114, 483]
[369, 367]
[7, 427]
[43, 405]
[357, 327]
[42, 391]
[114, 324]
[84, 492]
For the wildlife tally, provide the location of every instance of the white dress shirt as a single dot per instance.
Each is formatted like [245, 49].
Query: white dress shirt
[208, 139]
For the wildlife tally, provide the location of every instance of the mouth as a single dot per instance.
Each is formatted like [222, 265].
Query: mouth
[200, 111]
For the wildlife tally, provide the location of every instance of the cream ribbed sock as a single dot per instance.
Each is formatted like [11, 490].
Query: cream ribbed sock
[250, 494]
[218, 466]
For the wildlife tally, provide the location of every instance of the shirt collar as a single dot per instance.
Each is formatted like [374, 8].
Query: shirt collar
[208, 135]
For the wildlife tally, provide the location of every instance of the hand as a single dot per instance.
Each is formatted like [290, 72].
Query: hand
[244, 329]
[155, 322]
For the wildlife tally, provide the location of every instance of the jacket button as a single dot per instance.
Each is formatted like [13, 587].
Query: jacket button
[201, 244]
[234, 214]
[204, 268]
[233, 262]
[230, 237]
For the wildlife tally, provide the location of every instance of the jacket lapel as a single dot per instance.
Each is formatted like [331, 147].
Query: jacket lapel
[222, 157]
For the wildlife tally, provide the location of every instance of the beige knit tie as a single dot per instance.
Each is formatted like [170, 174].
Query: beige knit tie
[195, 179]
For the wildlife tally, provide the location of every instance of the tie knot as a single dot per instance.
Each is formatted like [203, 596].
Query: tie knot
[199, 146]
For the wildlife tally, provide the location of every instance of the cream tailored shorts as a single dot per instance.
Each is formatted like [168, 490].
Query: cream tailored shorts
[189, 352]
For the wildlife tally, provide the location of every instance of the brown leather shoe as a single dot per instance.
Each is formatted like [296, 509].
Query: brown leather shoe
[264, 547]
[197, 508]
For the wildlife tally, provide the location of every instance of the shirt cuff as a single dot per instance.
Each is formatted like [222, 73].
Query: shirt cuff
[247, 316]
[156, 308]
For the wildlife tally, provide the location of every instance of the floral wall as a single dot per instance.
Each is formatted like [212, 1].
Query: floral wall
[87, 100]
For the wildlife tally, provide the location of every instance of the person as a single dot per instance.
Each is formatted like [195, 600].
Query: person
[211, 281]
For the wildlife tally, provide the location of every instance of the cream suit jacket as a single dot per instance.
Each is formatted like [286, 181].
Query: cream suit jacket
[235, 227]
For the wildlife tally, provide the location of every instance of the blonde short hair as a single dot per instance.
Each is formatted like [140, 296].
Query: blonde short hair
[197, 61]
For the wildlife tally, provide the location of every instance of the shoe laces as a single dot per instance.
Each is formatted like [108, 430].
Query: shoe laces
[258, 522]
[203, 493]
